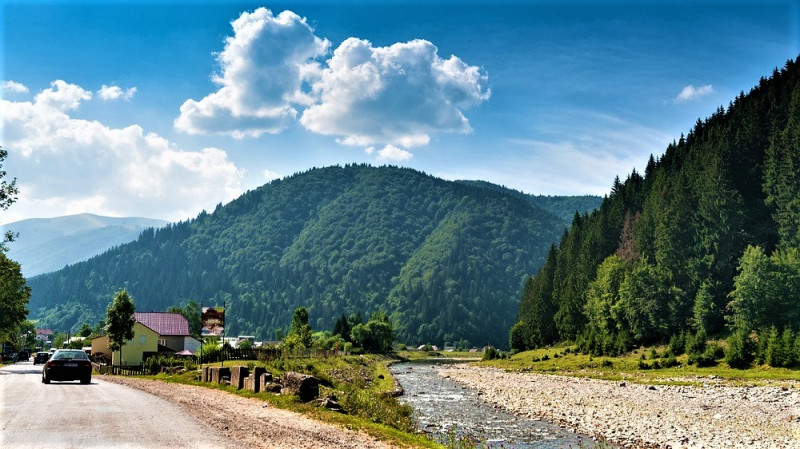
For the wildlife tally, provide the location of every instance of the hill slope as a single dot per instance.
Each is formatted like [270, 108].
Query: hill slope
[48, 244]
[444, 259]
[662, 254]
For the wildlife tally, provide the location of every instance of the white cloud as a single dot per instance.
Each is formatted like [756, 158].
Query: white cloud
[67, 165]
[109, 93]
[392, 153]
[264, 66]
[690, 92]
[270, 175]
[271, 74]
[13, 87]
[400, 94]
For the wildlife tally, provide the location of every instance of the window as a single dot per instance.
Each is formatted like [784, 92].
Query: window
[142, 339]
[162, 342]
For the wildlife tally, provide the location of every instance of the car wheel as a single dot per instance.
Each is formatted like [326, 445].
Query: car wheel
[86, 380]
[45, 380]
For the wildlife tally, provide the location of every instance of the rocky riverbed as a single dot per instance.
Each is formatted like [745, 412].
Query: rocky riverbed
[634, 415]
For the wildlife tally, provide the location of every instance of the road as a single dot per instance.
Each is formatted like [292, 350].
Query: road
[98, 415]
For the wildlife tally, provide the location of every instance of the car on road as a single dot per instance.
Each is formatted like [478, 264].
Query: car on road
[41, 357]
[68, 364]
[23, 356]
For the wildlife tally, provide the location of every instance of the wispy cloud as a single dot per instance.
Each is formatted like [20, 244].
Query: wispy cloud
[690, 92]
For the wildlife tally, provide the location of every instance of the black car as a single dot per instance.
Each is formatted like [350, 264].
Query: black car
[23, 356]
[41, 357]
[68, 364]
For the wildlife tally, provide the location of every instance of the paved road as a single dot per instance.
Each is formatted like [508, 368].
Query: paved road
[98, 415]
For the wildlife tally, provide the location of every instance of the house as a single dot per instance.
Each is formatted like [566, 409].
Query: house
[135, 351]
[153, 333]
[173, 329]
[44, 335]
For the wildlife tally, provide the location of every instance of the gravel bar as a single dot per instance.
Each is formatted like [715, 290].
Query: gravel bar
[644, 416]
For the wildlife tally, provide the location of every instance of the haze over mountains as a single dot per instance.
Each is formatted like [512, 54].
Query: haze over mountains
[48, 244]
[446, 260]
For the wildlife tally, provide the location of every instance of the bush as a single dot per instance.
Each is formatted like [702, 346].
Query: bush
[491, 353]
[741, 350]
[677, 344]
[606, 363]
[670, 362]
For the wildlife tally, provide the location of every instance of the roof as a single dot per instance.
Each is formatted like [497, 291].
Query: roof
[164, 323]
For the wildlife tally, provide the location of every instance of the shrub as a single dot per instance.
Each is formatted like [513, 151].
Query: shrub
[643, 365]
[670, 362]
[491, 353]
[677, 344]
[606, 363]
[741, 350]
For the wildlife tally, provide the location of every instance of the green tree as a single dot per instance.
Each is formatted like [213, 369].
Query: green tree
[85, 331]
[119, 321]
[190, 311]
[8, 195]
[14, 295]
[300, 329]
[740, 352]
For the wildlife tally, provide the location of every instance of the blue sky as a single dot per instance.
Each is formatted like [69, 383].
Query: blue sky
[163, 109]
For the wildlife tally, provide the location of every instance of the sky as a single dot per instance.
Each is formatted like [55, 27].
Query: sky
[163, 109]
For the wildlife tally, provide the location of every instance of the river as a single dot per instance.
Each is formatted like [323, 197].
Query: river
[441, 405]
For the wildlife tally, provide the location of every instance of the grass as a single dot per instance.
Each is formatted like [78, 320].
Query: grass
[565, 361]
[361, 384]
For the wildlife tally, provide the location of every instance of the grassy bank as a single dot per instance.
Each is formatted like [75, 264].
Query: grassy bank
[361, 384]
[643, 365]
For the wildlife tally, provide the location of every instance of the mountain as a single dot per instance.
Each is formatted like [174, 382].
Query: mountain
[48, 244]
[444, 259]
[706, 240]
[563, 207]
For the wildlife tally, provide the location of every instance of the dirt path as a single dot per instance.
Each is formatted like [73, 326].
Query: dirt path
[250, 422]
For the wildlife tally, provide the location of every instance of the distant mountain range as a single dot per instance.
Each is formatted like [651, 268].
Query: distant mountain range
[446, 260]
[49, 244]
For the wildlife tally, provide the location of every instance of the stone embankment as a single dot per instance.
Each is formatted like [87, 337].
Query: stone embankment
[647, 416]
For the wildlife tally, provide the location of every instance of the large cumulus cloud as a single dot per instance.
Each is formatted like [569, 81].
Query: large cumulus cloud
[95, 168]
[264, 66]
[273, 72]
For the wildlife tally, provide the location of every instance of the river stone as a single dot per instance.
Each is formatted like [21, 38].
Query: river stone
[304, 386]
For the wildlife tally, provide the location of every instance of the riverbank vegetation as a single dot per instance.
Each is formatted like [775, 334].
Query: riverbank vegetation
[362, 385]
[648, 365]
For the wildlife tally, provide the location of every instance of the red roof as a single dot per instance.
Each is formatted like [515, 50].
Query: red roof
[164, 323]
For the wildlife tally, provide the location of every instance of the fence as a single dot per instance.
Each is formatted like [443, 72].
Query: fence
[120, 370]
[262, 354]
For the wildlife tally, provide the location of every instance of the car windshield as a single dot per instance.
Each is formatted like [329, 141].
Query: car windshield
[80, 355]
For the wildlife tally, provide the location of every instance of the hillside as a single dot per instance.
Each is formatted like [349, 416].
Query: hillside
[705, 241]
[445, 260]
[563, 207]
[48, 244]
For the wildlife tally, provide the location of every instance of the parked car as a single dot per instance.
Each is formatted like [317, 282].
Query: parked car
[23, 356]
[68, 364]
[41, 357]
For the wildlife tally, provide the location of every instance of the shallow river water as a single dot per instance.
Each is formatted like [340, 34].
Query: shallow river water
[441, 405]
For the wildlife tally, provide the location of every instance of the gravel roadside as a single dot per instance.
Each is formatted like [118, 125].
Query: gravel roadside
[249, 422]
[634, 415]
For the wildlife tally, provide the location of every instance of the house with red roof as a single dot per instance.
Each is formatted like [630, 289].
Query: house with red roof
[154, 333]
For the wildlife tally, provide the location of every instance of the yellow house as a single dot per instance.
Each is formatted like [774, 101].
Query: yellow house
[143, 344]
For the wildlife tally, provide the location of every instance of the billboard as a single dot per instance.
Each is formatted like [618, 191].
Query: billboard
[213, 321]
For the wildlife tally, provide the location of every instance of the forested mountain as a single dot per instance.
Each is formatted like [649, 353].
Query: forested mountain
[705, 240]
[48, 244]
[563, 207]
[445, 260]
